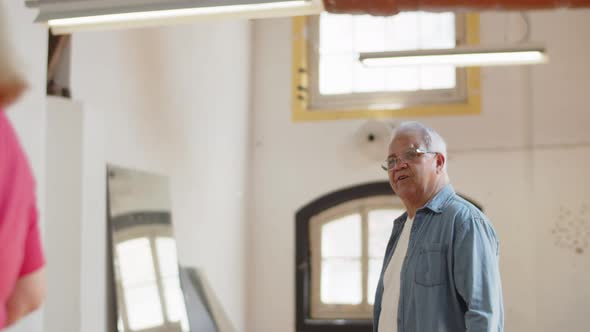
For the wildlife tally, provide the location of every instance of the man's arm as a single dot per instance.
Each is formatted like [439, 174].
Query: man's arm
[477, 276]
[27, 296]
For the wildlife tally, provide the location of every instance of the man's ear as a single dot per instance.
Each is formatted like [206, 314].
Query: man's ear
[440, 161]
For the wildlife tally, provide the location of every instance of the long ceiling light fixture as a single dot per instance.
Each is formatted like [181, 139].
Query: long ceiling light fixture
[67, 16]
[464, 56]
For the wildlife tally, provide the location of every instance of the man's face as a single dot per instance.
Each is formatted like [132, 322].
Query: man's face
[412, 180]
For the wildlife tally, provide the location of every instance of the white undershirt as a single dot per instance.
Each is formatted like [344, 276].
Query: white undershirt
[391, 279]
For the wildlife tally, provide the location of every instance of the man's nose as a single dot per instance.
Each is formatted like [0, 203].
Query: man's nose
[400, 164]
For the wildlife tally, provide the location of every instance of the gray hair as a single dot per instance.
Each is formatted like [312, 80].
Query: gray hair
[431, 139]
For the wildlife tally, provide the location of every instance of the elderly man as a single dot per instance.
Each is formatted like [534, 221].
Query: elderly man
[447, 249]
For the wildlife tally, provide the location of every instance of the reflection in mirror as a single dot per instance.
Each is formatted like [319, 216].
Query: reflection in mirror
[145, 265]
[200, 312]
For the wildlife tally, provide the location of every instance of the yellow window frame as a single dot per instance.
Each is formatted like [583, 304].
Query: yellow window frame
[300, 101]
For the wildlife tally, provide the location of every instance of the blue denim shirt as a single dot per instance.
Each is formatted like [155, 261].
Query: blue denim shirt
[449, 281]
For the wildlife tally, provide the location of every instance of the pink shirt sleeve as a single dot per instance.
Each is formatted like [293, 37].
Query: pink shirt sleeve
[33, 258]
[20, 245]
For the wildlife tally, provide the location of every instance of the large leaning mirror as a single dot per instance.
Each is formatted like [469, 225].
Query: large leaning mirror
[145, 265]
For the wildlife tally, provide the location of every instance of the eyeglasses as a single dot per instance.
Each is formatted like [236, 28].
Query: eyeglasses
[408, 155]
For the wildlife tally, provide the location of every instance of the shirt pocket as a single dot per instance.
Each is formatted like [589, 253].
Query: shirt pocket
[430, 265]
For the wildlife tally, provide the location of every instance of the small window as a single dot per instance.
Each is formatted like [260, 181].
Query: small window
[329, 81]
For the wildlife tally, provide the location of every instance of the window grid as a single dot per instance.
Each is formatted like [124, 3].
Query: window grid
[466, 100]
[442, 33]
[380, 98]
[320, 310]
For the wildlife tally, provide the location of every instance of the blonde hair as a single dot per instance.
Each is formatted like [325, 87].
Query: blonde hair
[12, 82]
[6, 55]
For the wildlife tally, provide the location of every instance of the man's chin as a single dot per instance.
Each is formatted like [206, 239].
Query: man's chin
[404, 192]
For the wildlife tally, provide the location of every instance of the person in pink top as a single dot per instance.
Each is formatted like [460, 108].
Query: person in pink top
[22, 280]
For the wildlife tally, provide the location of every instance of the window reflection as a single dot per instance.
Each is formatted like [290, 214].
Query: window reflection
[135, 262]
[166, 249]
[149, 297]
[143, 306]
[143, 288]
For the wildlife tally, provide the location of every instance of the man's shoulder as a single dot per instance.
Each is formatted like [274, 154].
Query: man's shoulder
[462, 210]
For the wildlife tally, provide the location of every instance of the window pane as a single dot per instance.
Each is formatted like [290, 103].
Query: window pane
[143, 307]
[402, 78]
[368, 79]
[369, 33]
[166, 248]
[437, 77]
[402, 32]
[336, 74]
[335, 32]
[174, 302]
[342, 237]
[380, 226]
[437, 30]
[375, 265]
[342, 37]
[135, 261]
[341, 281]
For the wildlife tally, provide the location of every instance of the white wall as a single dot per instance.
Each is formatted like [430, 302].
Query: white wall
[172, 101]
[63, 214]
[176, 101]
[28, 115]
[523, 158]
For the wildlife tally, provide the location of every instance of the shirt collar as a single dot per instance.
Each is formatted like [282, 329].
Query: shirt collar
[437, 203]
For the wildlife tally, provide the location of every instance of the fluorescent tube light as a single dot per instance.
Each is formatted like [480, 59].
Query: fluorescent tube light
[460, 56]
[184, 15]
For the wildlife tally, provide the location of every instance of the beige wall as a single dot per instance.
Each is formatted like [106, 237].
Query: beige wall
[523, 158]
